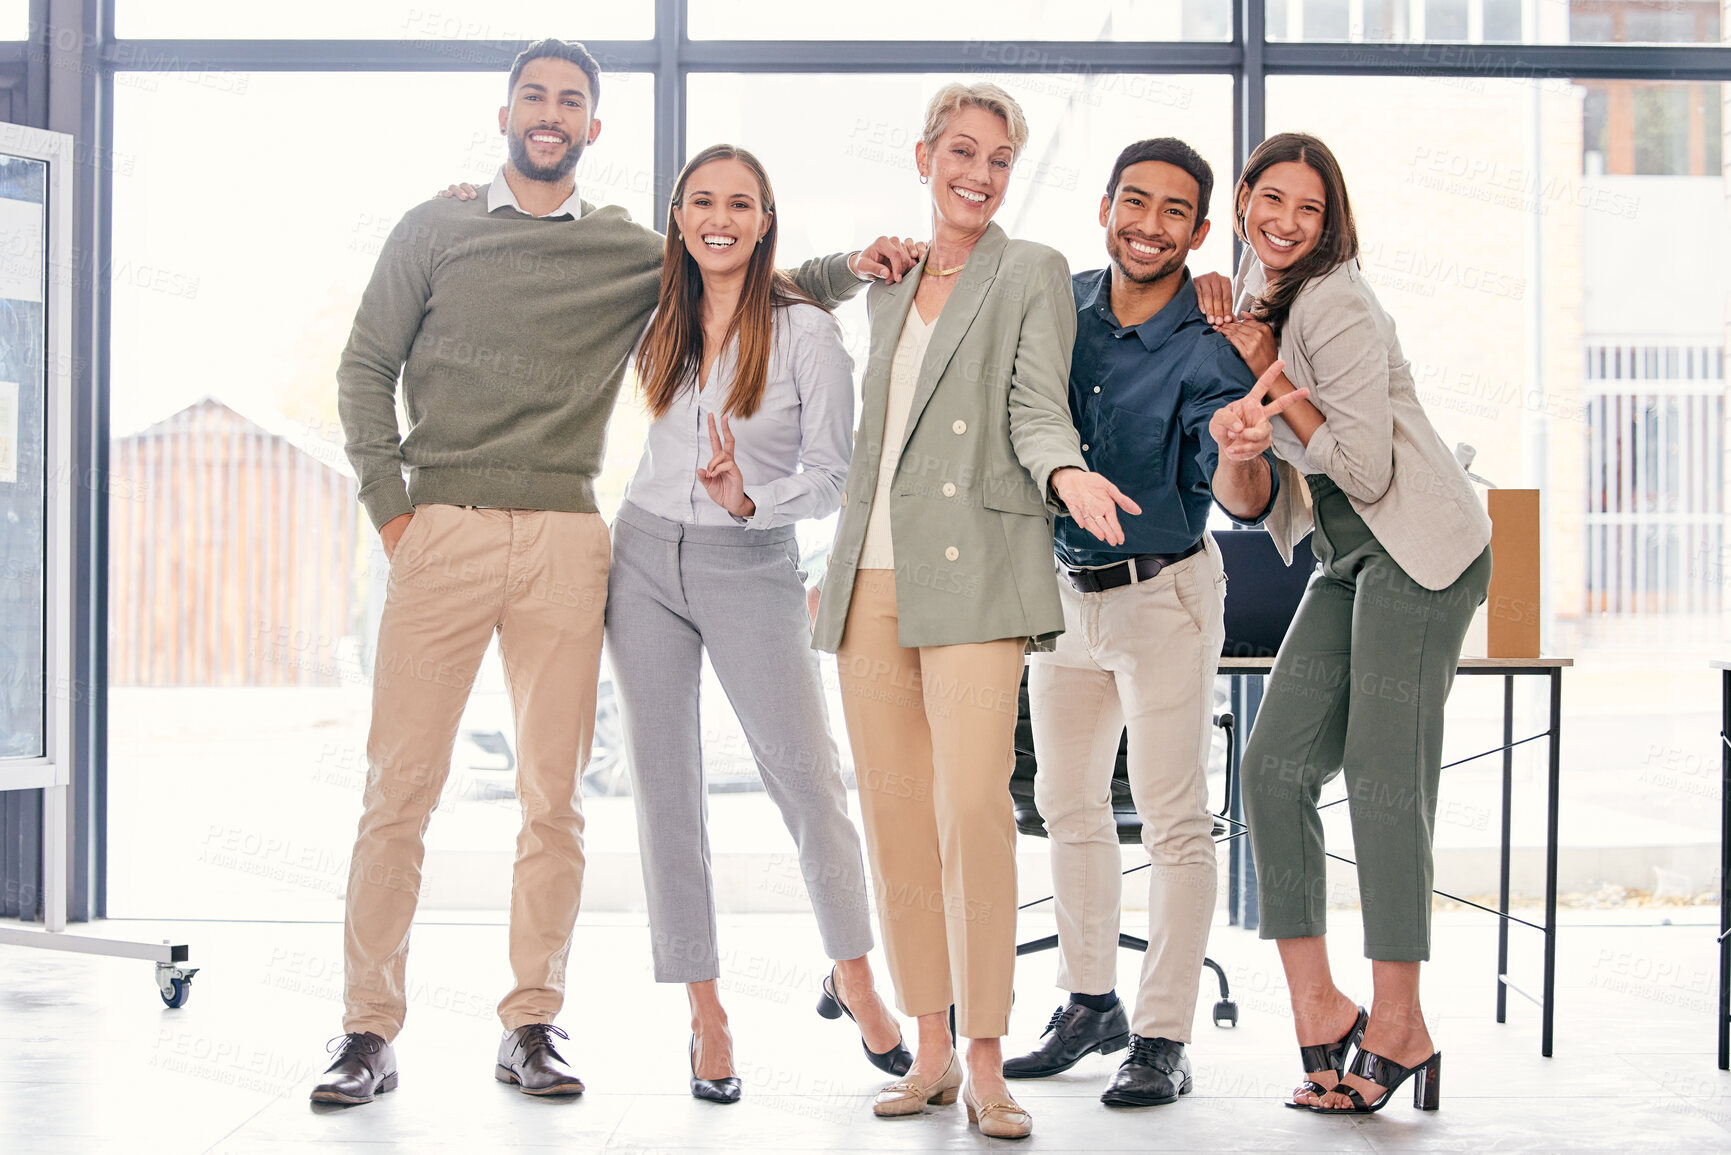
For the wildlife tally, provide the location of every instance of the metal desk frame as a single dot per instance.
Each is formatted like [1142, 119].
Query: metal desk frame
[1241, 894]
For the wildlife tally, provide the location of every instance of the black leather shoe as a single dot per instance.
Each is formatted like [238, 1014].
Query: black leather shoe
[528, 1058]
[365, 1066]
[1157, 1072]
[1074, 1033]
[723, 1090]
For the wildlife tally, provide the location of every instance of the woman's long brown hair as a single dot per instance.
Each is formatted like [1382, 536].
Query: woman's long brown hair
[672, 350]
[1339, 240]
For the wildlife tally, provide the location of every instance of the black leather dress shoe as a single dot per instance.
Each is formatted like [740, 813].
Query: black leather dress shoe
[1074, 1033]
[528, 1058]
[365, 1066]
[1157, 1072]
[723, 1090]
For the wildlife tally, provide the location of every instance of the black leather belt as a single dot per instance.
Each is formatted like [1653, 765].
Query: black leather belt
[1140, 568]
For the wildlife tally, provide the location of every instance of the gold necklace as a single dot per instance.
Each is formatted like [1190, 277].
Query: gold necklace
[931, 272]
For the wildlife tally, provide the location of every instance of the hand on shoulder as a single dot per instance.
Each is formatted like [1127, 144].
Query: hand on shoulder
[462, 191]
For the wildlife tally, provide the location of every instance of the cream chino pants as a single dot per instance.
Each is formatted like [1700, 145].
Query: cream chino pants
[1140, 657]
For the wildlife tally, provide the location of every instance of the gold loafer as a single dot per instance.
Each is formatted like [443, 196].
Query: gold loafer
[998, 1118]
[910, 1096]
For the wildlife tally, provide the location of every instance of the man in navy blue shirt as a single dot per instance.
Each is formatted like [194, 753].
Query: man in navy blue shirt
[1143, 625]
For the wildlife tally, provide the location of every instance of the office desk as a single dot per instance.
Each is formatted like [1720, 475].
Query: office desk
[1242, 879]
[1724, 669]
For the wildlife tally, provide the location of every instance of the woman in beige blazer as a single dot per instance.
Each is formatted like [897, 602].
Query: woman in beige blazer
[941, 576]
[1402, 546]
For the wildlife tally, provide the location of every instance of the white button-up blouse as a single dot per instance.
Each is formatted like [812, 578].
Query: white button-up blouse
[793, 452]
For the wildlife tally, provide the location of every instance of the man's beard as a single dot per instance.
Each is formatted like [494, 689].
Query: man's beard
[1116, 250]
[552, 173]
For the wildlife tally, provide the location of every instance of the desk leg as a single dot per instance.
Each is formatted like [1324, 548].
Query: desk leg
[1241, 899]
[1234, 801]
[1725, 876]
[1551, 792]
[1503, 885]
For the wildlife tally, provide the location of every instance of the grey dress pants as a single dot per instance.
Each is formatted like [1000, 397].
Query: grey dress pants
[676, 590]
[1358, 687]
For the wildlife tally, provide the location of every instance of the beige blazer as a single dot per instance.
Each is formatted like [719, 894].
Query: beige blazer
[970, 516]
[1377, 444]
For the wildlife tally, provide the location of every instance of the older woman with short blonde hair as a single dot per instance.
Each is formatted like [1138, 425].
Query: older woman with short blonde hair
[941, 578]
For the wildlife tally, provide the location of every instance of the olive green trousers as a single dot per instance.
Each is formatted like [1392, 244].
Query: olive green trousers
[1358, 688]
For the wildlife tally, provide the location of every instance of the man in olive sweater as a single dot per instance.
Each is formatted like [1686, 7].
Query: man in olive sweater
[509, 322]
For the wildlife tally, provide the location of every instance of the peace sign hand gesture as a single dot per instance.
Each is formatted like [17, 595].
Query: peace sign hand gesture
[721, 477]
[1242, 428]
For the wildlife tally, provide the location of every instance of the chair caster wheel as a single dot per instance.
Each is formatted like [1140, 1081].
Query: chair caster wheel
[1226, 1013]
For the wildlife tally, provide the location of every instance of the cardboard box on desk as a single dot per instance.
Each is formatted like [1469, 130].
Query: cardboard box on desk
[1512, 618]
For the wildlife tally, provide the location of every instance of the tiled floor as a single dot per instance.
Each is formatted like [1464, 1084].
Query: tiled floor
[91, 1062]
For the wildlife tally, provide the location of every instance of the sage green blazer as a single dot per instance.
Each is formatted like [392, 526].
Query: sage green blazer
[970, 515]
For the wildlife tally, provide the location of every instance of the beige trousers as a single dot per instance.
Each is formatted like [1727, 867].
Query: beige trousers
[540, 579]
[1140, 657]
[933, 734]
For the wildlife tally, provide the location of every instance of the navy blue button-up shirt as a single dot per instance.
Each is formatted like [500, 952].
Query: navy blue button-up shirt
[1141, 397]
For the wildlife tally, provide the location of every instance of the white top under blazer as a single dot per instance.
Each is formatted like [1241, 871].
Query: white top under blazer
[878, 551]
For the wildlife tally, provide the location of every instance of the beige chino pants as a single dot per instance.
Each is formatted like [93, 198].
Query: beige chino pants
[1140, 657]
[540, 579]
[933, 732]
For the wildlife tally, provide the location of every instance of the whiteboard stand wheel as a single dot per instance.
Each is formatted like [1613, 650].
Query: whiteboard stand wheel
[174, 984]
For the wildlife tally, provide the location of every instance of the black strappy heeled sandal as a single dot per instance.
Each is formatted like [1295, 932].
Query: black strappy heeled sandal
[897, 1061]
[1426, 1090]
[1327, 1057]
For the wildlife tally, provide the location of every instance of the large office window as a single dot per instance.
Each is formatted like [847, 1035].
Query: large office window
[990, 34]
[1521, 275]
[447, 20]
[244, 589]
[1646, 21]
[15, 20]
[1497, 21]
[848, 175]
[1517, 240]
[1520, 226]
